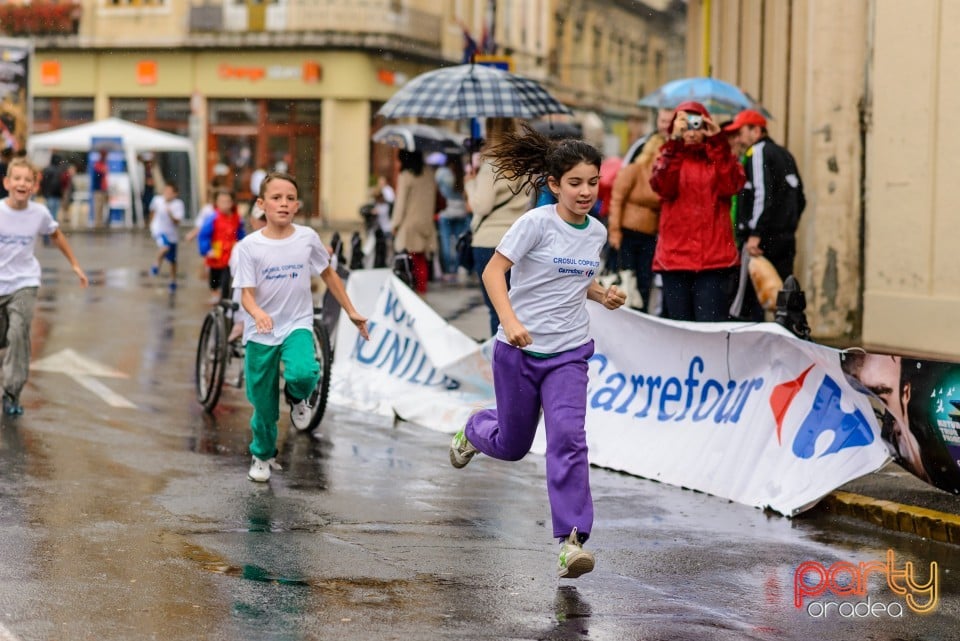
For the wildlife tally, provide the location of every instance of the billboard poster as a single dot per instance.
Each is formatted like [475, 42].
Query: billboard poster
[917, 402]
[15, 96]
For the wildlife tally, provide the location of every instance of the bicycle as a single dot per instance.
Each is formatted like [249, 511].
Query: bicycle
[215, 354]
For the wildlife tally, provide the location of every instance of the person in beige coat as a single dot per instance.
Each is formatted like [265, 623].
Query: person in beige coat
[495, 203]
[413, 228]
[635, 215]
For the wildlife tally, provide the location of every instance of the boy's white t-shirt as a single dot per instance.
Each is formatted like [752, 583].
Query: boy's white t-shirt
[280, 271]
[166, 217]
[554, 263]
[19, 229]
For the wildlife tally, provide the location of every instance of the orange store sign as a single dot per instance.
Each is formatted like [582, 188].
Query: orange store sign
[308, 72]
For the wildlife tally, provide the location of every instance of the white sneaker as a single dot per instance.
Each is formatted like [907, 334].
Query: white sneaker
[301, 412]
[260, 470]
[574, 560]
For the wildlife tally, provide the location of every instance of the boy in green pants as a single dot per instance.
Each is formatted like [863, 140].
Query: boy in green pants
[273, 272]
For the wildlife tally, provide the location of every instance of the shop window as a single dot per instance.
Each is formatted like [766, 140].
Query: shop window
[56, 113]
[308, 112]
[134, 110]
[233, 112]
[168, 114]
[136, 3]
[279, 111]
[173, 110]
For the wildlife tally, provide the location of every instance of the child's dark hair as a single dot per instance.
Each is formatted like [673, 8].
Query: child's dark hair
[411, 161]
[277, 175]
[533, 157]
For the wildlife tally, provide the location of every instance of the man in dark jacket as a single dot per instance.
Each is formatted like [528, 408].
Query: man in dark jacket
[770, 204]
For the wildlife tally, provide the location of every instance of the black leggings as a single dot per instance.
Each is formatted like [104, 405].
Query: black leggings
[220, 279]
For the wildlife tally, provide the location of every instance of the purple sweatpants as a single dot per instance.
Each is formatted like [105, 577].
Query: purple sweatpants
[523, 384]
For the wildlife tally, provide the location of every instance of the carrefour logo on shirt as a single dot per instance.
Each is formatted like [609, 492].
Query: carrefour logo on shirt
[576, 266]
[282, 271]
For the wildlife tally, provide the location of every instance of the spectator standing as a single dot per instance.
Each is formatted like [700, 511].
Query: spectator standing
[695, 176]
[769, 205]
[51, 185]
[634, 217]
[414, 231]
[664, 120]
[98, 187]
[454, 219]
[496, 203]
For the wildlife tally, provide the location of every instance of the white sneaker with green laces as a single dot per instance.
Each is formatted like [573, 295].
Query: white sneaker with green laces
[461, 450]
[260, 470]
[574, 560]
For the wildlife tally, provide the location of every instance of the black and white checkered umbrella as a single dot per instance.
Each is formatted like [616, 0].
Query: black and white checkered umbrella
[471, 91]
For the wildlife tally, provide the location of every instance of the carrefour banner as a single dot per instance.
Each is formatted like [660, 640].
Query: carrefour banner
[742, 411]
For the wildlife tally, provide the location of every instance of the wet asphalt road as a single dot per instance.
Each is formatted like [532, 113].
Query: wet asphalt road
[138, 522]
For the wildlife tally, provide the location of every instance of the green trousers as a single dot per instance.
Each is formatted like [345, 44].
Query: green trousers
[262, 370]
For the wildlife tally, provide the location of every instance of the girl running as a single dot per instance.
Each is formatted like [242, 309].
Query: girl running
[543, 341]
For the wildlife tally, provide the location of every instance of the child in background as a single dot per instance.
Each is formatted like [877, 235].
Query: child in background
[273, 273]
[258, 220]
[21, 221]
[166, 212]
[543, 342]
[217, 237]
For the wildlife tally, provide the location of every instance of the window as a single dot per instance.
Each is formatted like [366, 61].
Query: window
[233, 112]
[136, 3]
[56, 113]
[168, 114]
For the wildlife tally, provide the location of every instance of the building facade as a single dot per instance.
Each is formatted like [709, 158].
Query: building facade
[297, 83]
[860, 93]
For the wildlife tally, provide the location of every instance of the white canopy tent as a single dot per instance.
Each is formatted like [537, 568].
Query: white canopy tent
[136, 139]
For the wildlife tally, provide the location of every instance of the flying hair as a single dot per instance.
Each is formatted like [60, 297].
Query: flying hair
[530, 158]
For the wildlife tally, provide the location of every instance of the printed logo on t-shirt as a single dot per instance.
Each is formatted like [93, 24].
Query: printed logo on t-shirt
[584, 267]
[15, 239]
[282, 271]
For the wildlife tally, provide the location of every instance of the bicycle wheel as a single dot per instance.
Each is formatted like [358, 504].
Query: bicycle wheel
[211, 359]
[321, 345]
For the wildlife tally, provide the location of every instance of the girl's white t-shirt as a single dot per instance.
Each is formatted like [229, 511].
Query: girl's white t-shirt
[554, 263]
[19, 229]
[279, 270]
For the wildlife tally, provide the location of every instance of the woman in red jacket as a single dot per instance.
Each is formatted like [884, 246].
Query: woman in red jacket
[695, 176]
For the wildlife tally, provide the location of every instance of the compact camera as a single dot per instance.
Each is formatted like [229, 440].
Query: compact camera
[694, 121]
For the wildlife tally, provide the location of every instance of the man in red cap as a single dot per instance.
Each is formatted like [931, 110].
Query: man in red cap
[770, 204]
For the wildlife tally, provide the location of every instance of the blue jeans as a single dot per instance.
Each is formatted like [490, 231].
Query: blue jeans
[482, 256]
[698, 296]
[53, 204]
[449, 230]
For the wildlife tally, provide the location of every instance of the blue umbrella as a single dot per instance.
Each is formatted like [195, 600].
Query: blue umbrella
[719, 97]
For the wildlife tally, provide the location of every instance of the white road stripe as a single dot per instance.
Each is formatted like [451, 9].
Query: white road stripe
[110, 397]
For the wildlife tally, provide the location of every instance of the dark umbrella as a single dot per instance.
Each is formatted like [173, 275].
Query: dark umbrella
[471, 91]
[418, 137]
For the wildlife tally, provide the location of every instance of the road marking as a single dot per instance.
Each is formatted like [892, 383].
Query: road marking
[83, 369]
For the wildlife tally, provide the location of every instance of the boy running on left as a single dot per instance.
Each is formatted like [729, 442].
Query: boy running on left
[21, 222]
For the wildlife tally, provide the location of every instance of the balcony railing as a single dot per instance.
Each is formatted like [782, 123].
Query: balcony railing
[40, 19]
[309, 20]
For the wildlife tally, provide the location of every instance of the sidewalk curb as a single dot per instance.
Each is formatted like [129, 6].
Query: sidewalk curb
[931, 524]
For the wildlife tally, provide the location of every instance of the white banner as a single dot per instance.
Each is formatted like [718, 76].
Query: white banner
[742, 411]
